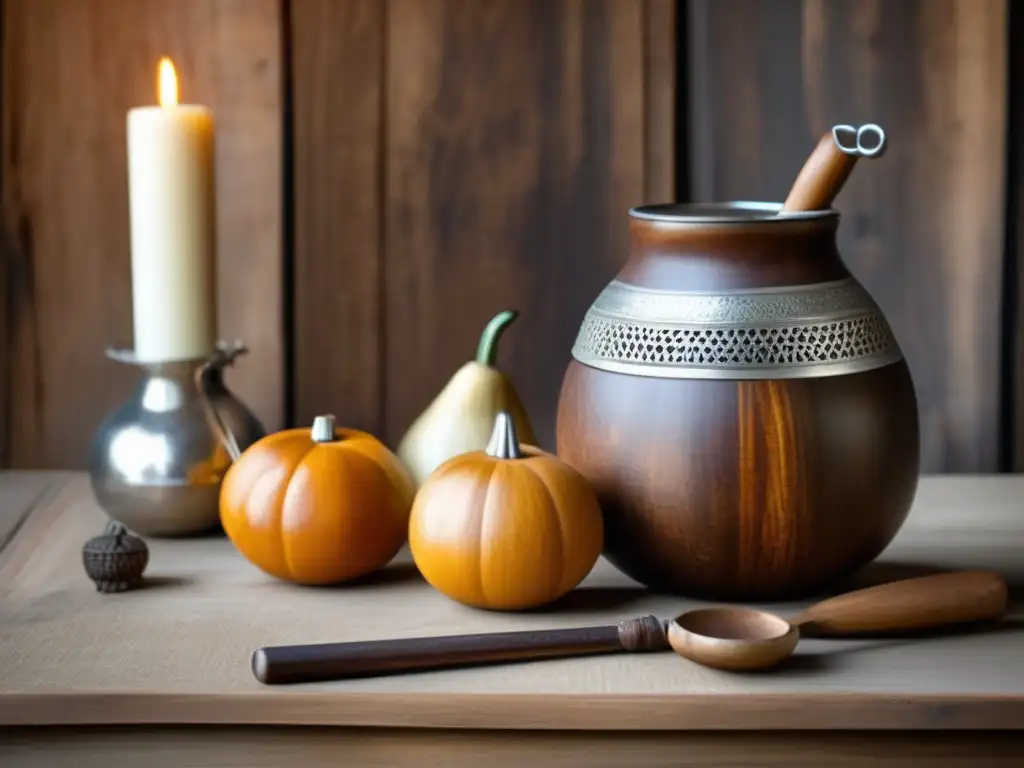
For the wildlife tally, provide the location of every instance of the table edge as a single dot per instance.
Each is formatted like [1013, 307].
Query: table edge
[688, 712]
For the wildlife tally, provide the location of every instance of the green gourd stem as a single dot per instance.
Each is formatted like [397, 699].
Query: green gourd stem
[487, 349]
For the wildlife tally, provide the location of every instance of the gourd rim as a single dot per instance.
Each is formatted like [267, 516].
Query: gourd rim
[728, 212]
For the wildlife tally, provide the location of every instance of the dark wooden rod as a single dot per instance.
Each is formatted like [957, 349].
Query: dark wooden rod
[279, 665]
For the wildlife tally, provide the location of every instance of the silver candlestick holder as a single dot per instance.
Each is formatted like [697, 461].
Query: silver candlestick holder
[156, 462]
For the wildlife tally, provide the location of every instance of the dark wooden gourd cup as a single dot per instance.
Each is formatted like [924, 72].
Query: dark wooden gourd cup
[740, 404]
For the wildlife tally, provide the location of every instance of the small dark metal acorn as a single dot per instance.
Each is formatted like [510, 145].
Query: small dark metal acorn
[115, 559]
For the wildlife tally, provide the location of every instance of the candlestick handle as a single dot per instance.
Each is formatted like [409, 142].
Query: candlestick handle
[337, 661]
[223, 356]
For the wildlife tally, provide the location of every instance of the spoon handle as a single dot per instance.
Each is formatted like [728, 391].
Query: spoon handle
[911, 604]
[336, 661]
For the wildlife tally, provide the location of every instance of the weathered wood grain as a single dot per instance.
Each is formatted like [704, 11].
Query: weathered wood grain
[451, 159]
[923, 227]
[177, 650]
[516, 142]
[661, 51]
[22, 493]
[239, 43]
[72, 68]
[270, 747]
[338, 127]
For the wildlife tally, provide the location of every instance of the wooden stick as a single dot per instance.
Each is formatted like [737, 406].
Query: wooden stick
[336, 661]
[829, 165]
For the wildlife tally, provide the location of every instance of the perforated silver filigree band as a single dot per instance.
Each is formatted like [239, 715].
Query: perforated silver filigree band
[825, 329]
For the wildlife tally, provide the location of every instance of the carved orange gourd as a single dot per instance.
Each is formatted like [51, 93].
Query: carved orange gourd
[317, 506]
[508, 528]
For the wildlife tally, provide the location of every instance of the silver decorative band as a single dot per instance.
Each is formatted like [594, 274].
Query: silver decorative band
[823, 329]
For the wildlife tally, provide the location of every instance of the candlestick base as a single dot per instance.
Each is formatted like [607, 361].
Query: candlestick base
[155, 463]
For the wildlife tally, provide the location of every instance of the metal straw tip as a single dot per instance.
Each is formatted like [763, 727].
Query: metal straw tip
[851, 139]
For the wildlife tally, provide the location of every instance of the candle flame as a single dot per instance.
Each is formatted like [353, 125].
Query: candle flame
[167, 83]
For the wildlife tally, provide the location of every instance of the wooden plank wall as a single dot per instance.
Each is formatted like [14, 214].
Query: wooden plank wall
[923, 228]
[71, 70]
[455, 159]
[393, 173]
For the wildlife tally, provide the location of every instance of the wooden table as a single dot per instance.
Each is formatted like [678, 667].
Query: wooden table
[161, 674]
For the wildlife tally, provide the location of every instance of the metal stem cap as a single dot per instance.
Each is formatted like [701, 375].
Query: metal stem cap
[504, 443]
[323, 429]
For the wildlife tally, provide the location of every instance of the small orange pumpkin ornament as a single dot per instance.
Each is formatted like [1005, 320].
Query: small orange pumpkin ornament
[507, 528]
[318, 506]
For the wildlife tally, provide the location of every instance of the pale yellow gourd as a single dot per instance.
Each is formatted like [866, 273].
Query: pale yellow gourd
[461, 417]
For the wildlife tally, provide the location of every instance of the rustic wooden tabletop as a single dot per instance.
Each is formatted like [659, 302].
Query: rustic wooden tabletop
[176, 652]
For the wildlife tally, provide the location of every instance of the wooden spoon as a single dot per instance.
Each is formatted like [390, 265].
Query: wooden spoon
[726, 638]
[829, 165]
[740, 638]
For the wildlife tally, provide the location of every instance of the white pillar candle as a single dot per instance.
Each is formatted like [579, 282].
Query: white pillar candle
[172, 217]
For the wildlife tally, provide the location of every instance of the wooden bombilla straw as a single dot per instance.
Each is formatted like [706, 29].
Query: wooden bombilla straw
[829, 165]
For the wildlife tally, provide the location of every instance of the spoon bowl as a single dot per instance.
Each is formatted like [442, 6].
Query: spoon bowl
[732, 638]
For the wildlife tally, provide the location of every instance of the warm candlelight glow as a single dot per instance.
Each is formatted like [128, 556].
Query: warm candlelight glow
[168, 83]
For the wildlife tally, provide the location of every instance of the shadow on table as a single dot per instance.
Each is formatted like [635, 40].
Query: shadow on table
[584, 599]
[166, 582]
[884, 572]
[822, 658]
[394, 573]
